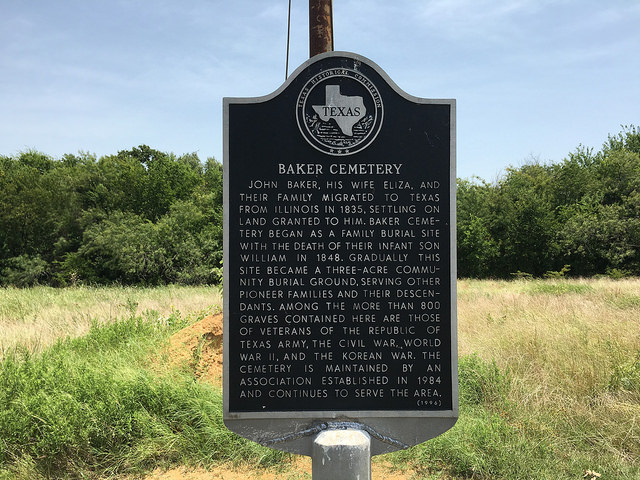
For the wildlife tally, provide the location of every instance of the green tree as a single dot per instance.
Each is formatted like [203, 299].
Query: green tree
[478, 251]
[121, 248]
[599, 237]
[524, 222]
[628, 139]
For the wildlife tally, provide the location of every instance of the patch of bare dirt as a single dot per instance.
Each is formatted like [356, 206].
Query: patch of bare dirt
[199, 346]
[300, 470]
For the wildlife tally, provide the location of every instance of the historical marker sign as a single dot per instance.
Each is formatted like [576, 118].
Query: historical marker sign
[340, 301]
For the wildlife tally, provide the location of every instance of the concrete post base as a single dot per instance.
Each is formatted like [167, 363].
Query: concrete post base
[341, 455]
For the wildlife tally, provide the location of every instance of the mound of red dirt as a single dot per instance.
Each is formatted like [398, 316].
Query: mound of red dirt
[199, 346]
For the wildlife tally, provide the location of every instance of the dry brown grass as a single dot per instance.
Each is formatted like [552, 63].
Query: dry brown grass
[561, 341]
[558, 332]
[37, 317]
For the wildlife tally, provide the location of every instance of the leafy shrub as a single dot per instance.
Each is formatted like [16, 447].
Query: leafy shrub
[557, 273]
[522, 275]
[617, 273]
[24, 271]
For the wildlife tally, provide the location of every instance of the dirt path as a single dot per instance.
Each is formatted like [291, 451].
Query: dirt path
[301, 470]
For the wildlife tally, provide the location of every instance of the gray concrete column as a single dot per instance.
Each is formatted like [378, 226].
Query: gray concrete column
[341, 455]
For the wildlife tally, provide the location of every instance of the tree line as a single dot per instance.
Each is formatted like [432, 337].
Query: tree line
[138, 217]
[580, 216]
[148, 217]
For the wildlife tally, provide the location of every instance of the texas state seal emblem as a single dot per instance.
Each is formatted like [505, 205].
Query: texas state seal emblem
[339, 111]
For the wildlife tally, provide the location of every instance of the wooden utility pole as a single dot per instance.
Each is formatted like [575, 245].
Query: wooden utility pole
[320, 27]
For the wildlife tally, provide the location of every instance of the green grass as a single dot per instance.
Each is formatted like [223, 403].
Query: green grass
[92, 406]
[496, 438]
[550, 383]
[557, 287]
[625, 301]
[549, 389]
[22, 304]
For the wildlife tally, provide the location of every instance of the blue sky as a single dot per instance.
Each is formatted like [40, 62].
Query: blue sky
[533, 79]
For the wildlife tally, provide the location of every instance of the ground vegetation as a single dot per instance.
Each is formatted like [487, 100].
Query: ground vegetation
[549, 388]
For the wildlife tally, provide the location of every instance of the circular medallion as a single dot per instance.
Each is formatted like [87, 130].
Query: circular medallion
[339, 111]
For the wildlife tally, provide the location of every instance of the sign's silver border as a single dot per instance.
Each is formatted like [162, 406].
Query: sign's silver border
[408, 427]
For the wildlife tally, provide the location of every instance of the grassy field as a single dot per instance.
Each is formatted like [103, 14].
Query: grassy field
[550, 381]
[549, 376]
[37, 317]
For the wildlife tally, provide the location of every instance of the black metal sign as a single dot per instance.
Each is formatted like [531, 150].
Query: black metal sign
[339, 258]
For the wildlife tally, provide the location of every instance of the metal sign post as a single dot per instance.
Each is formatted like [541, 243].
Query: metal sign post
[339, 254]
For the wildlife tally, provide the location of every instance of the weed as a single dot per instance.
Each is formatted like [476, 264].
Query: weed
[626, 376]
[522, 275]
[625, 301]
[197, 353]
[549, 374]
[552, 274]
[617, 274]
[568, 352]
[481, 382]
